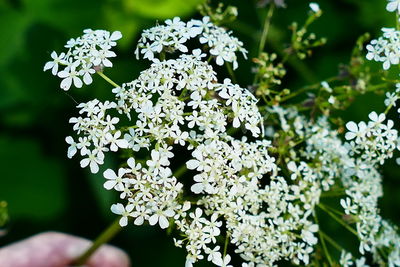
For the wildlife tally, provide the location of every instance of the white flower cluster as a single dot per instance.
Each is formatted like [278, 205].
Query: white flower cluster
[228, 181]
[86, 55]
[185, 91]
[333, 164]
[98, 134]
[179, 102]
[281, 230]
[375, 234]
[175, 33]
[234, 189]
[374, 141]
[385, 49]
[188, 78]
[391, 98]
[151, 191]
[346, 260]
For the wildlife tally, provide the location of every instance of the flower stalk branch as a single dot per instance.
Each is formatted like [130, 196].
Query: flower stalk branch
[103, 238]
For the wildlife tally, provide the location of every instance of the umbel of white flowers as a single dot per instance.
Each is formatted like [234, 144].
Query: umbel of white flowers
[241, 195]
[86, 55]
[91, 52]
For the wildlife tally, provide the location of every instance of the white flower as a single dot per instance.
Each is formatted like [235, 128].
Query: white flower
[355, 130]
[385, 49]
[308, 234]
[100, 57]
[296, 172]
[70, 75]
[189, 261]
[161, 216]
[93, 160]
[110, 39]
[326, 86]
[223, 262]
[348, 206]
[314, 7]
[134, 168]
[72, 149]
[116, 143]
[346, 259]
[126, 212]
[115, 181]
[86, 72]
[141, 214]
[331, 100]
[376, 119]
[83, 145]
[157, 160]
[361, 262]
[53, 65]
[391, 99]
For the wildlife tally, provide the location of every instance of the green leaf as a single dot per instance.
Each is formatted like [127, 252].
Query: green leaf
[31, 182]
[128, 25]
[162, 9]
[13, 25]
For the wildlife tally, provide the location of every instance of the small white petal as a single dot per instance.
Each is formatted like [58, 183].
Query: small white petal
[109, 184]
[153, 219]
[139, 221]
[117, 208]
[84, 162]
[109, 174]
[123, 221]
[163, 222]
[192, 164]
[352, 126]
[116, 35]
[66, 83]
[94, 168]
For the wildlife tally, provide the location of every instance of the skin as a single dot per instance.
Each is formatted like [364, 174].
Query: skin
[54, 249]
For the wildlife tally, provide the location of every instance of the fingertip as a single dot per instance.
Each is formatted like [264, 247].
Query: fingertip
[109, 256]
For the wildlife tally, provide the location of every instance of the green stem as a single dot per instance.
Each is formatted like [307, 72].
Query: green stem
[104, 237]
[298, 92]
[387, 109]
[263, 39]
[230, 71]
[321, 237]
[226, 244]
[345, 225]
[180, 171]
[314, 86]
[331, 241]
[108, 79]
[264, 34]
[162, 55]
[334, 211]
[335, 193]
[376, 87]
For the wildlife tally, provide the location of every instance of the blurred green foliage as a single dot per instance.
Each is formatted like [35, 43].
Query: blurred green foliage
[3, 213]
[45, 190]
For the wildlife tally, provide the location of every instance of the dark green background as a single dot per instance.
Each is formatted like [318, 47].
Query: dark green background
[47, 191]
